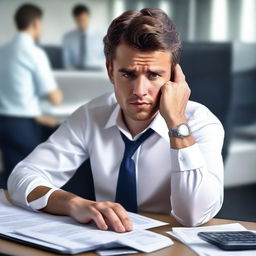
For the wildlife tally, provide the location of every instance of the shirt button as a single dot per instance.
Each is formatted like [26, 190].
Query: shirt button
[181, 158]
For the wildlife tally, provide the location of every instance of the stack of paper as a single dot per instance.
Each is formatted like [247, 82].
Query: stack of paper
[64, 235]
[189, 237]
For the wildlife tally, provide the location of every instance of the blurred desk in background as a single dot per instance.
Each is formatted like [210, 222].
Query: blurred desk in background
[79, 87]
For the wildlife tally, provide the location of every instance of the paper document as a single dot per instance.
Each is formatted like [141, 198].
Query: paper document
[65, 235]
[116, 251]
[189, 237]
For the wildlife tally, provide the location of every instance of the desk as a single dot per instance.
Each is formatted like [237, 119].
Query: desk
[178, 248]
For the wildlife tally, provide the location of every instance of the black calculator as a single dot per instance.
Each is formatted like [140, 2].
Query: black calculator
[231, 240]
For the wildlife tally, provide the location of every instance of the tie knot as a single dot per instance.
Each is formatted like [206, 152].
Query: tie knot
[131, 146]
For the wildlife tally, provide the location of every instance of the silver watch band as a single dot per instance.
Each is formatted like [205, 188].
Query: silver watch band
[178, 133]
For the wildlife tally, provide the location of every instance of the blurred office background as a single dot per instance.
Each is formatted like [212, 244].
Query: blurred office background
[219, 60]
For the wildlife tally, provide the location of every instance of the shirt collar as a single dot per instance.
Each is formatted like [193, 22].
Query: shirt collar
[158, 124]
[26, 37]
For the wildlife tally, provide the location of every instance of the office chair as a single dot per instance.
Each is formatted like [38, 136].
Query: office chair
[208, 71]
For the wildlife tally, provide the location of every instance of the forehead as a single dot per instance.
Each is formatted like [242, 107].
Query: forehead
[129, 56]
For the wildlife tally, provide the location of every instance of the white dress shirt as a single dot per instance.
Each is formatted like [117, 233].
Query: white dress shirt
[187, 182]
[26, 77]
[94, 56]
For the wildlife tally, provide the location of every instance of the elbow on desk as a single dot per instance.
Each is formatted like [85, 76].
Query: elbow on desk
[17, 195]
[195, 216]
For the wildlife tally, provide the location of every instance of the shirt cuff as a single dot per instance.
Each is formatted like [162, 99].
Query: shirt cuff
[189, 158]
[42, 201]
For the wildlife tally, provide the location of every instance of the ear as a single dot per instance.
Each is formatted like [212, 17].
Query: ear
[109, 66]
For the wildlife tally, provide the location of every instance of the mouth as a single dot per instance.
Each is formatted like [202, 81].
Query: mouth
[138, 104]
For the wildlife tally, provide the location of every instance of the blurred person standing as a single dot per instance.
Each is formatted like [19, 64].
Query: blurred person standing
[82, 48]
[26, 78]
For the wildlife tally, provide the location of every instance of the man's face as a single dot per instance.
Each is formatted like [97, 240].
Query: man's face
[37, 24]
[82, 21]
[138, 77]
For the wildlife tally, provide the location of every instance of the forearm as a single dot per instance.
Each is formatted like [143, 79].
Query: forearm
[178, 143]
[196, 184]
[83, 210]
[55, 96]
[60, 202]
[197, 178]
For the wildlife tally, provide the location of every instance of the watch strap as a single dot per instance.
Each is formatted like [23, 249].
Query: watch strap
[174, 132]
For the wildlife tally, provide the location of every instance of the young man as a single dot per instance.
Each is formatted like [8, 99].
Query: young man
[26, 77]
[82, 48]
[150, 148]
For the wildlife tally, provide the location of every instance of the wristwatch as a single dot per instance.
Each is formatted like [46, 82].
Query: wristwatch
[180, 131]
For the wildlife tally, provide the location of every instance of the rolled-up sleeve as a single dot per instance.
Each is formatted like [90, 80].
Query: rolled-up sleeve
[53, 162]
[197, 175]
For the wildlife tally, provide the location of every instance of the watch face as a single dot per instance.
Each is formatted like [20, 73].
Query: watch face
[184, 130]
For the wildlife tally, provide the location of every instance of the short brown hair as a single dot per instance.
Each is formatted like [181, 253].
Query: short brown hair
[146, 30]
[26, 14]
[80, 9]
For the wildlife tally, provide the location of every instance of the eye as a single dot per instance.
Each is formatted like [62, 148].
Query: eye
[125, 75]
[128, 75]
[153, 75]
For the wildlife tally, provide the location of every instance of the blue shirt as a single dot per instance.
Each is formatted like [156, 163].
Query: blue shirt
[25, 77]
[93, 48]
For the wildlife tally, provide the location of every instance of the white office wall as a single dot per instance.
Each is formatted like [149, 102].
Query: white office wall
[57, 17]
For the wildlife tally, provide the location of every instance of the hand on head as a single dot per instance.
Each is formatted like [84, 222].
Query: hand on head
[174, 99]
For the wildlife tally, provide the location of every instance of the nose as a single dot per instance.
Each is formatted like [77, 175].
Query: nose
[140, 88]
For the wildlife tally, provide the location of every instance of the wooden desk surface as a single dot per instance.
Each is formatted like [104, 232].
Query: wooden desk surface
[178, 249]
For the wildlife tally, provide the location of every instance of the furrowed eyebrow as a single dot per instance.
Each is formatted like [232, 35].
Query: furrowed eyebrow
[126, 70]
[157, 71]
[149, 71]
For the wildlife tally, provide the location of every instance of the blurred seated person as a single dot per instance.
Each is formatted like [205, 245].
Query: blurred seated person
[26, 78]
[82, 48]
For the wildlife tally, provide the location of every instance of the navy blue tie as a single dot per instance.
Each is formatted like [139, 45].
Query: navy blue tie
[82, 53]
[126, 192]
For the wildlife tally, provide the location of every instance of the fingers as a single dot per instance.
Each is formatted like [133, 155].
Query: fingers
[123, 216]
[98, 219]
[104, 214]
[179, 76]
[174, 98]
[113, 214]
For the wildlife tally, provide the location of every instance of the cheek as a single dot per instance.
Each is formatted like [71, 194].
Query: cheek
[154, 91]
[156, 86]
[122, 88]
[121, 84]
